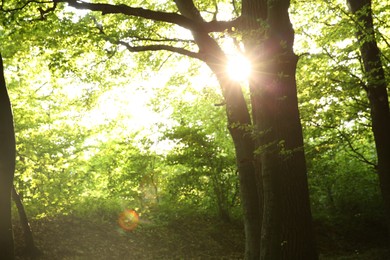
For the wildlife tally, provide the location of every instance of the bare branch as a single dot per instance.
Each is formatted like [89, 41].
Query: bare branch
[161, 47]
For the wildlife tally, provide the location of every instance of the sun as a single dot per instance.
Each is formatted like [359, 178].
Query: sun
[238, 67]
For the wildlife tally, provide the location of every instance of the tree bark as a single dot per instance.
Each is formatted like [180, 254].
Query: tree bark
[7, 168]
[287, 231]
[376, 88]
[239, 124]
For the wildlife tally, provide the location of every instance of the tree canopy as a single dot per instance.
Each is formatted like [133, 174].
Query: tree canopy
[131, 105]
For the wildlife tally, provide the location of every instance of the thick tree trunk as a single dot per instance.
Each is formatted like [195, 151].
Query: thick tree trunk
[7, 168]
[240, 127]
[377, 93]
[287, 231]
[239, 124]
[250, 185]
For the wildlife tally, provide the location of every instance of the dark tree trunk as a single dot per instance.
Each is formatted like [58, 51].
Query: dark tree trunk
[7, 168]
[30, 249]
[239, 124]
[250, 186]
[279, 169]
[287, 231]
[377, 93]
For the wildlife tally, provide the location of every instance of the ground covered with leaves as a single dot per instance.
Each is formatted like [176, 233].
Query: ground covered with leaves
[189, 237]
[69, 237]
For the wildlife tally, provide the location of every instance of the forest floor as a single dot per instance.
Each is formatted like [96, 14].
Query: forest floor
[191, 237]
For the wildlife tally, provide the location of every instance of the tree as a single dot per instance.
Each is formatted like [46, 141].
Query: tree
[348, 68]
[267, 140]
[7, 168]
[375, 84]
[280, 144]
[337, 114]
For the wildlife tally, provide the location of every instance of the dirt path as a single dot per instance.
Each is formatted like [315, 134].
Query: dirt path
[193, 237]
[69, 237]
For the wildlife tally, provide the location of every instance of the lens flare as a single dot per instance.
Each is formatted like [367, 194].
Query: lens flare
[238, 68]
[128, 220]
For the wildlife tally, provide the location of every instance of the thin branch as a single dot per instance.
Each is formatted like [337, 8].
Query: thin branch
[161, 47]
[137, 38]
[375, 33]
[235, 9]
[22, 6]
[360, 82]
[216, 11]
[158, 47]
[43, 12]
[343, 68]
[355, 152]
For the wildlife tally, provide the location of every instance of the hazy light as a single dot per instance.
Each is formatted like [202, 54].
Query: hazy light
[238, 68]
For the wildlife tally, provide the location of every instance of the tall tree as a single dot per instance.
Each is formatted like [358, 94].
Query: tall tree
[7, 168]
[267, 139]
[286, 227]
[239, 121]
[334, 106]
[376, 89]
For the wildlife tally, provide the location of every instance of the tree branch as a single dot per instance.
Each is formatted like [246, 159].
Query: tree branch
[22, 6]
[162, 39]
[161, 47]
[355, 153]
[156, 47]
[173, 18]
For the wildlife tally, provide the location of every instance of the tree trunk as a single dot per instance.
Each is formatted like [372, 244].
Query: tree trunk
[30, 249]
[239, 124]
[7, 168]
[377, 93]
[287, 231]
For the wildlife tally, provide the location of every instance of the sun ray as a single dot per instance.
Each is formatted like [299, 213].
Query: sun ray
[238, 67]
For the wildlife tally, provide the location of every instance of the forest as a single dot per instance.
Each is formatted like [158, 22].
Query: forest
[194, 129]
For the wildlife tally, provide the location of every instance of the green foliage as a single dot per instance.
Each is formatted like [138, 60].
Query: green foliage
[61, 69]
[203, 158]
[342, 186]
[98, 209]
[335, 113]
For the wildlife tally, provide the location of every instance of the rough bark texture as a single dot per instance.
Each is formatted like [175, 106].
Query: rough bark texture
[377, 93]
[287, 231]
[239, 123]
[7, 168]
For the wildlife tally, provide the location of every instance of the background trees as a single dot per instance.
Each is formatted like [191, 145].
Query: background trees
[343, 114]
[80, 153]
[269, 132]
[375, 84]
